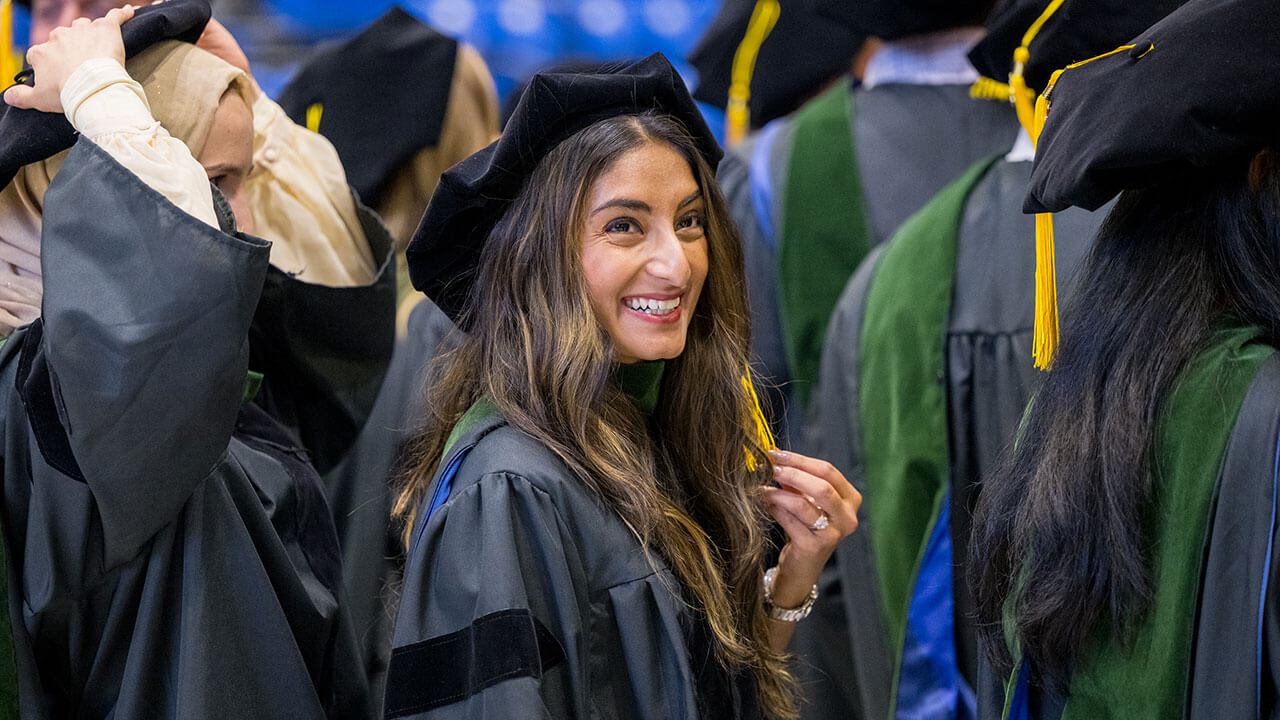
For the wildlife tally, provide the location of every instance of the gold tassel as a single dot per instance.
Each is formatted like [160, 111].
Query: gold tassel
[1022, 97]
[763, 434]
[737, 116]
[988, 89]
[313, 117]
[1045, 340]
[10, 63]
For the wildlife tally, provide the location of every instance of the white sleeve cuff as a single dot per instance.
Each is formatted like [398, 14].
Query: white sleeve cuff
[100, 99]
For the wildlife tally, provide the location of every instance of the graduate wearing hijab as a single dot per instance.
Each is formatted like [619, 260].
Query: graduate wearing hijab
[1124, 557]
[320, 338]
[170, 548]
[950, 298]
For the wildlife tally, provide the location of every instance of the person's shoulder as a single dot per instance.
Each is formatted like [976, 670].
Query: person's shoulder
[497, 449]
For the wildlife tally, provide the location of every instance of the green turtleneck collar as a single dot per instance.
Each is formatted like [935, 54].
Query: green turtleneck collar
[641, 382]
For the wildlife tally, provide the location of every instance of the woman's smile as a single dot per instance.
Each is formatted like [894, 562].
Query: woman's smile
[644, 252]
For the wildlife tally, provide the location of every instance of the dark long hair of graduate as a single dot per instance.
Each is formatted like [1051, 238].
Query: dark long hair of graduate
[1059, 548]
[536, 350]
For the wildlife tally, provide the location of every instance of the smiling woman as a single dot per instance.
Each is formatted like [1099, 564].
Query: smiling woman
[644, 252]
[588, 432]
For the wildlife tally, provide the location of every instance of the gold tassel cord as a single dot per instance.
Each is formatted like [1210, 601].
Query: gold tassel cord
[1036, 26]
[737, 117]
[313, 117]
[1020, 95]
[763, 434]
[10, 62]
[987, 89]
[1032, 112]
[1045, 339]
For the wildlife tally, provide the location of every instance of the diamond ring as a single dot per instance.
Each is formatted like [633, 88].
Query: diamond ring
[821, 523]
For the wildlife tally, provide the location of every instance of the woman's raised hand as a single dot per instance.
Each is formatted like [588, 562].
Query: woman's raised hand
[816, 507]
[54, 61]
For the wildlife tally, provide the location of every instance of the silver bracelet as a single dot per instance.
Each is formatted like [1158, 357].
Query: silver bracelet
[786, 614]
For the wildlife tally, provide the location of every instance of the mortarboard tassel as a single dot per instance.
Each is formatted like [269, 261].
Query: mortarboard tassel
[1045, 340]
[1031, 115]
[763, 434]
[987, 89]
[313, 117]
[1020, 95]
[737, 116]
[9, 63]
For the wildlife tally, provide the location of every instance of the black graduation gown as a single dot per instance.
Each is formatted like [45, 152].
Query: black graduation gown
[845, 651]
[362, 487]
[170, 551]
[323, 350]
[910, 141]
[1234, 659]
[525, 597]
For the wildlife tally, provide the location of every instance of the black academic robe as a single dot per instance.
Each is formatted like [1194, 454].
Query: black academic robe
[323, 350]
[525, 597]
[362, 487]
[170, 550]
[846, 651]
[909, 141]
[1225, 662]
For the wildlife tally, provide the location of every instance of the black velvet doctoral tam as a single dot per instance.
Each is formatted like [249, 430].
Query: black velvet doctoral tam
[1198, 90]
[1077, 30]
[474, 194]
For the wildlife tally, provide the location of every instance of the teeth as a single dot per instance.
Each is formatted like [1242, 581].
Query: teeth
[653, 307]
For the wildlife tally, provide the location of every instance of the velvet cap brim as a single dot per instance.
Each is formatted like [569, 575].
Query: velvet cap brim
[1199, 89]
[474, 194]
[28, 136]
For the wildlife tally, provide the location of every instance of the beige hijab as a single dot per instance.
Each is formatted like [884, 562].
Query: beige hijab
[183, 85]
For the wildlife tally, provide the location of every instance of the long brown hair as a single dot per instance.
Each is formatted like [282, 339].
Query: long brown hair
[535, 349]
[1061, 543]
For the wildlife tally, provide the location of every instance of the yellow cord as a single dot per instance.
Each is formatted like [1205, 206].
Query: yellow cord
[737, 116]
[763, 434]
[987, 89]
[313, 117]
[10, 64]
[1074, 65]
[1045, 339]
[1032, 112]
[1034, 30]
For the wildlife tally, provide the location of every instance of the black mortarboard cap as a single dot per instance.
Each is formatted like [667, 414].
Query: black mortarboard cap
[382, 96]
[28, 136]
[1075, 31]
[1198, 89]
[893, 19]
[800, 53]
[474, 194]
